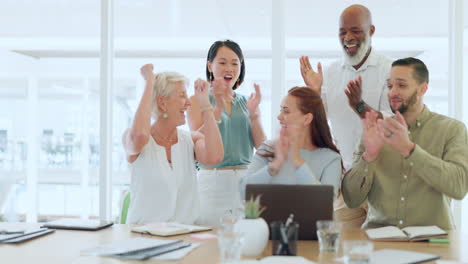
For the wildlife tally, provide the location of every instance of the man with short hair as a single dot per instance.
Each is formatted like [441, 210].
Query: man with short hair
[409, 166]
[360, 67]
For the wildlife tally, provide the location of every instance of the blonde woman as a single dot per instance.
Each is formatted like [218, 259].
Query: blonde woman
[162, 157]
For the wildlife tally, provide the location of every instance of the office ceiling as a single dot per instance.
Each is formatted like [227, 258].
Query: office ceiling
[215, 18]
[182, 28]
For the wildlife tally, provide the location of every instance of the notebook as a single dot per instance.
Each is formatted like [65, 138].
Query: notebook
[308, 203]
[168, 229]
[280, 260]
[393, 256]
[409, 233]
[24, 236]
[139, 248]
[143, 254]
[78, 224]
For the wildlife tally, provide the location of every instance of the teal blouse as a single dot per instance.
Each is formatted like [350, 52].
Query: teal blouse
[236, 134]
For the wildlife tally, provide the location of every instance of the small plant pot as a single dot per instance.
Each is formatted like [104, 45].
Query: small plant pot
[256, 233]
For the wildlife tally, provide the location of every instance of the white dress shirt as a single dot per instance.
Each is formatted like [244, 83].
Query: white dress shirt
[345, 123]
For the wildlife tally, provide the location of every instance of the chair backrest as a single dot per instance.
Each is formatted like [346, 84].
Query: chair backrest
[125, 206]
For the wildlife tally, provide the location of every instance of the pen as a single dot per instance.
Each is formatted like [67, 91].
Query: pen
[284, 234]
[288, 222]
[10, 232]
[439, 240]
[283, 241]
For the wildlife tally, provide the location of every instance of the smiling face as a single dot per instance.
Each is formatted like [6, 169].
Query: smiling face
[355, 34]
[225, 66]
[176, 104]
[404, 91]
[290, 116]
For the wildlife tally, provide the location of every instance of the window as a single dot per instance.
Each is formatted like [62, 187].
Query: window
[50, 89]
[49, 99]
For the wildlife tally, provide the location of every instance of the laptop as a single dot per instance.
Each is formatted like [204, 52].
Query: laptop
[308, 203]
[78, 224]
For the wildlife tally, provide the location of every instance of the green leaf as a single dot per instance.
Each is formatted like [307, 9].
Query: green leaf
[253, 208]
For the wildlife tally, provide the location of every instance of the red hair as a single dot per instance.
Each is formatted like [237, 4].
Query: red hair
[309, 101]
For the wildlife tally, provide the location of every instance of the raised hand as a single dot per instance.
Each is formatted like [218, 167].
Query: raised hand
[201, 92]
[147, 72]
[372, 138]
[354, 92]
[254, 100]
[311, 78]
[220, 89]
[395, 134]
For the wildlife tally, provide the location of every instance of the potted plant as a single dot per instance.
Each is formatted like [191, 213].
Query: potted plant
[254, 228]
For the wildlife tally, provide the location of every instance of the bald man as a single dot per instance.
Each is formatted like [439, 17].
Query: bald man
[346, 102]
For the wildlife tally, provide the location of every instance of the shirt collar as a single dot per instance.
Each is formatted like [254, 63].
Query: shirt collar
[370, 61]
[422, 117]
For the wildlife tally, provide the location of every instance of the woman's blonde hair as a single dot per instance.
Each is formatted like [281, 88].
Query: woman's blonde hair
[164, 84]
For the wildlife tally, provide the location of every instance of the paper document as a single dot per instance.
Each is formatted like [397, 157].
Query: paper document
[141, 248]
[178, 254]
[168, 229]
[279, 260]
[393, 256]
[129, 245]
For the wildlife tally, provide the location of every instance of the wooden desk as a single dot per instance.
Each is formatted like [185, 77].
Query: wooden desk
[65, 246]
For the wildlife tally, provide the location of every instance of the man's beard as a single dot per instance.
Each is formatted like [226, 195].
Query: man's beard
[405, 106]
[364, 47]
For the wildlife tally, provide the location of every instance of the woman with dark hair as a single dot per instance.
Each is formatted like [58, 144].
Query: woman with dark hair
[304, 153]
[238, 121]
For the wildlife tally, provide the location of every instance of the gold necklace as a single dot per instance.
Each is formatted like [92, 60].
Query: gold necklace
[168, 141]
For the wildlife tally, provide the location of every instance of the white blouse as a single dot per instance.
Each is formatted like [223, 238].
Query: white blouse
[160, 193]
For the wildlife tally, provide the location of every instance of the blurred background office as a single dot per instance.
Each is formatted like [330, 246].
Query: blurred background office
[51, 115]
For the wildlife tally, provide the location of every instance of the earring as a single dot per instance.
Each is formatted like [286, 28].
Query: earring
[211, 76]
[165, 115]
[237, 83]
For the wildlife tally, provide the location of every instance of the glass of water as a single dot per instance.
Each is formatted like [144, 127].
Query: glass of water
[357, 251]
[328, 233]
[229, 219]
[230, 246]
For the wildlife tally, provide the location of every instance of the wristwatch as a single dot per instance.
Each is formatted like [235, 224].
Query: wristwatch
[361, 107]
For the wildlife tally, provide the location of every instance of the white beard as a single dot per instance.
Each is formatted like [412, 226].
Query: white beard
[363, 49]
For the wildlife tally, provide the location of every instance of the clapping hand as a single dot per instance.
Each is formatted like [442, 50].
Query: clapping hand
[220, 89]
[281, 148]
[254, 100]
[372, 137]
[311, 78]
[294, 134]
[394, 132]
[354, 92]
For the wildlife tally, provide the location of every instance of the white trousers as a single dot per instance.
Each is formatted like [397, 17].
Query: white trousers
[219, 194]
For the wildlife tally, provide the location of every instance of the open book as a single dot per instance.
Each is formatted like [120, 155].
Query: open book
[409, 233]
[168, 229]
